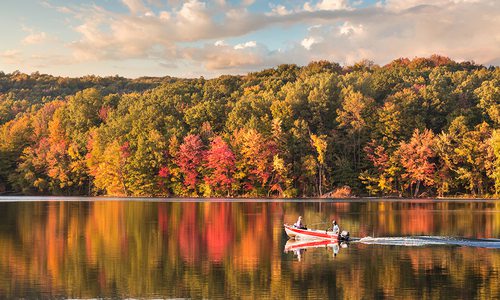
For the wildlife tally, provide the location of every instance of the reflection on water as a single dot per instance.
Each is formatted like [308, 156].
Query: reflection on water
[299, 247]
[224, 249]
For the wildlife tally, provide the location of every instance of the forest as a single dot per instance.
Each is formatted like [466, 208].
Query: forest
[421, 127]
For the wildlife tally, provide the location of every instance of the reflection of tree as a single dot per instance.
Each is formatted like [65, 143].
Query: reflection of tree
[212, 250]
[219, 230]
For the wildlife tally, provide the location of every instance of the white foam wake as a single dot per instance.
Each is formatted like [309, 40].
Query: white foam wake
[431, 240]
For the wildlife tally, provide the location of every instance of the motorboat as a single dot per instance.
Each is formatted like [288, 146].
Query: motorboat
[305, 233]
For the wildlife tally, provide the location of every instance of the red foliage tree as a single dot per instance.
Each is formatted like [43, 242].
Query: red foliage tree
[220, 165]
[189, 159]
[377, 155]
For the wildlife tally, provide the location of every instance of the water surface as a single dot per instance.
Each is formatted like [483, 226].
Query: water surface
[151, 249]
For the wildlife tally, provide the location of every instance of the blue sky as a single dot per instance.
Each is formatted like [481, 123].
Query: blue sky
[195, 38]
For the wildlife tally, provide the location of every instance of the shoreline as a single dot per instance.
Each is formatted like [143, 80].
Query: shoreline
[6, 199]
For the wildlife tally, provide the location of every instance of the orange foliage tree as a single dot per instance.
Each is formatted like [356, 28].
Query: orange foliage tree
[416, 157]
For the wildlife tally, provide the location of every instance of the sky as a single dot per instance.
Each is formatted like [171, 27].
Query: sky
[194, 38]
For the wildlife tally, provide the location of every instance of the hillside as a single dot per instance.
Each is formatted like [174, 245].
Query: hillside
[427, 126]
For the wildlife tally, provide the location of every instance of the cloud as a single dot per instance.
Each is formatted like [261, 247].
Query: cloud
[309, 41]
[463, 30]
[349, 29]
[135, 6]
[327, 5]
[332, 4]
[250, 44]
[239, 58]
[11, 56]
[33, 37]
[279, 10]
[106, 35]
[220, 43]
[20, 59]
[226, 57]
[337, 31]
[399, 5]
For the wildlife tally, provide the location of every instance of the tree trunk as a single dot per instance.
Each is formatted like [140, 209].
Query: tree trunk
[416, 189]
[320, 179]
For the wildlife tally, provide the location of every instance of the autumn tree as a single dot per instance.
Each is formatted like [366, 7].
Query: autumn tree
[354, 116]
[189, 159]
[254, 162]
[320, 145]
[465, 152]
[108, 164]
[495, 154]
[416, 157]
[220, 166]
[489, 99]
[384, 176]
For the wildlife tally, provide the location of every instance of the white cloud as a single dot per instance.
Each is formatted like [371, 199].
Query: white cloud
[314, 27]
[332, 4]
[327, 5]
[349, 29]
[220, 43]
[308, 42]
[193, 11]
[279, 10]
[250, 44]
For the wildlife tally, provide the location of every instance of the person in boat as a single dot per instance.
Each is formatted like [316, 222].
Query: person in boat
[335, 227]
[299, 224]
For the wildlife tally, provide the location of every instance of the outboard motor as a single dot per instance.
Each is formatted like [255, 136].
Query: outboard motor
[344, 235]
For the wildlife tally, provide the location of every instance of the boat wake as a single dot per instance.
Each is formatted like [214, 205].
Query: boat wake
[416, 241]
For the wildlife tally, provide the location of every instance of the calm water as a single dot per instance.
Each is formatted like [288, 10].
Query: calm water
[116, 249]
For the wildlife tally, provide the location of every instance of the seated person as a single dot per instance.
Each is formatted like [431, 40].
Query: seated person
[335, 227]
[299, 224]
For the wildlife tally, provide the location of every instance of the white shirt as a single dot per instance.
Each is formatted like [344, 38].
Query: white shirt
[336, 229]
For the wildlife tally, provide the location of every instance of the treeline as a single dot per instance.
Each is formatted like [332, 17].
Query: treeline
[421, 127]
[20, 92]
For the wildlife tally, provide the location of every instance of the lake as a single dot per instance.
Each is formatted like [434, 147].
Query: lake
[147, 248]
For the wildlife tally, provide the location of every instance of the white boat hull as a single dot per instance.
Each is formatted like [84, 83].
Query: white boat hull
[297, 233]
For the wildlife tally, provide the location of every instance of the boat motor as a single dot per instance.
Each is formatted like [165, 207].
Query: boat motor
[344, 235]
